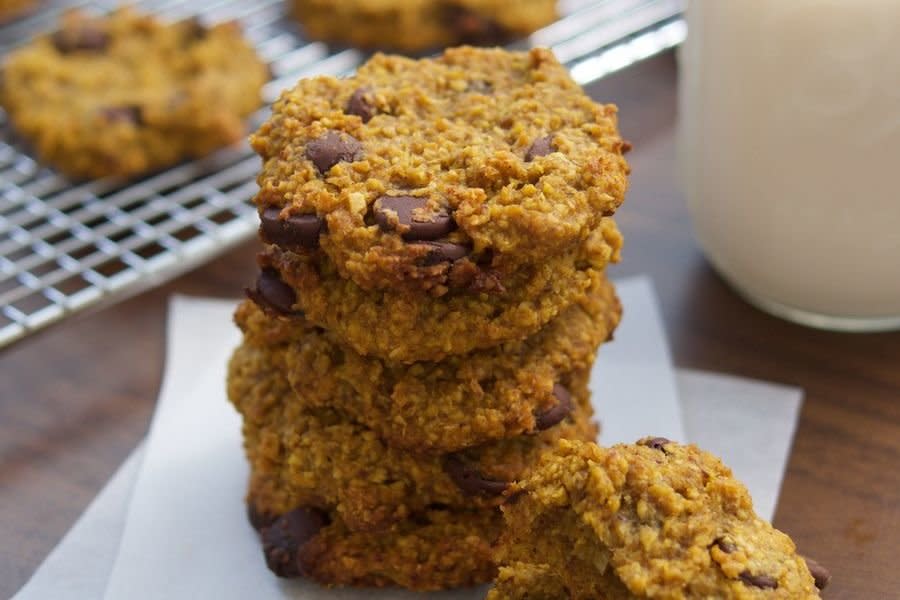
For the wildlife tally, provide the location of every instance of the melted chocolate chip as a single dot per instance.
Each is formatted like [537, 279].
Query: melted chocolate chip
[821, 575]
[124, 114]
[86, 38]
[258, 519]
[284, 539]
[412, 218]
[272, 294]
[563, 408]
[657, 443]
[194, 29]
[725, 546]
[470, 480]
[440, 252]
[539, 147]
[360, 105]
[295, 231]
[764, 582]
[332, 148]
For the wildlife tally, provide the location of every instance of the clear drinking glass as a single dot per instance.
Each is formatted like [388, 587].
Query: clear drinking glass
[790, 154]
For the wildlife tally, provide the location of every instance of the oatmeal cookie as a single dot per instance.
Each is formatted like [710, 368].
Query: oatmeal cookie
[407, 327]
[11, 9]
[123, 94]
[320, 459]
[415, 25]
[451, 173]
[440, 407]
[654, 519]
[439, 549]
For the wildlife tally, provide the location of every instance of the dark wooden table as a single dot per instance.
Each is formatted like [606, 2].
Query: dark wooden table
[76, 399]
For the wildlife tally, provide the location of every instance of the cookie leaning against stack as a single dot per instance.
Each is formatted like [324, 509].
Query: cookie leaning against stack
[655, 519]
[124, 93]
[431, 299]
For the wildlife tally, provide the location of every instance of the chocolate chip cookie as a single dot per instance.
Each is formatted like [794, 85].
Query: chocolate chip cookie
[318, 458]
[11, 9]
[123, 94]
[454, 173]
[464, 400]
[654, 519]
[406, 327]
[414, 25]
[439, 549]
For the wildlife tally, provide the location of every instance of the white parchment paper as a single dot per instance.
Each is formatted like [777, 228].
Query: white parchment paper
[171, 523]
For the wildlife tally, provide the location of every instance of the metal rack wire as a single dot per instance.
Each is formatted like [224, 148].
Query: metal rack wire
[66, 247]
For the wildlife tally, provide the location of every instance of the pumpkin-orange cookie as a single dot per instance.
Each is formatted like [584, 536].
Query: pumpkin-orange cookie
[404, 326]
[318, 458]
[451, 173]
[653, 519]
[125, 93]
[439, 549]
[438, 407]
[415, 25]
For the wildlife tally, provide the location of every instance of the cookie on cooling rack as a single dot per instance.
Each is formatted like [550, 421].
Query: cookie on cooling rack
[10, 9]
[125, 93]
[415, 25]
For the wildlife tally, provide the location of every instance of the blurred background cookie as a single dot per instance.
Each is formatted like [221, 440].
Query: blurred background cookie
[126, 93]
[416, 25]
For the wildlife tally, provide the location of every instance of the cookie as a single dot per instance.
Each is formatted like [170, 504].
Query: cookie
[11, 9]
[406, 327]
[440, 174]
[464, 400]
[654, 519]
[415, 25]
[123, 94]
[318, 458]
[439, 549]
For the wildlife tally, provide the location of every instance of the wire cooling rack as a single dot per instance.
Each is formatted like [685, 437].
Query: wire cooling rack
[66, 247]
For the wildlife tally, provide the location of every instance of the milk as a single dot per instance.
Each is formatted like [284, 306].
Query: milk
[790, 153]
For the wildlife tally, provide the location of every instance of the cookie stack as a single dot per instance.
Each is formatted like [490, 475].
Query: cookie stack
[431, 298]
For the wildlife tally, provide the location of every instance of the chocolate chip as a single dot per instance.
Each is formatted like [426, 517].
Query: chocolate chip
[440, 252]
[760, 581]
[412, 219]
[657, 443]
[470, 480]
[272, 294]
[725, 546]
[515, 497]
[283, 540]
[258, 519]
[360, 105]
[820, 574]
[539, 147]
[626, 147]
[295, 231]
[563, 408]
[194, 29]
[124, 114]
[332, 148]
[85, 37]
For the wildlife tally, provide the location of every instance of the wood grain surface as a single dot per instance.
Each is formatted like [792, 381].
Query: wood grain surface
[76, 399]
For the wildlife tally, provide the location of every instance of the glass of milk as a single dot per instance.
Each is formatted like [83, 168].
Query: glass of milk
[790, 154]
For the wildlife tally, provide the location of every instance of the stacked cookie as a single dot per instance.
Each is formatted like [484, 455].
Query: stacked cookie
[431, 299]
